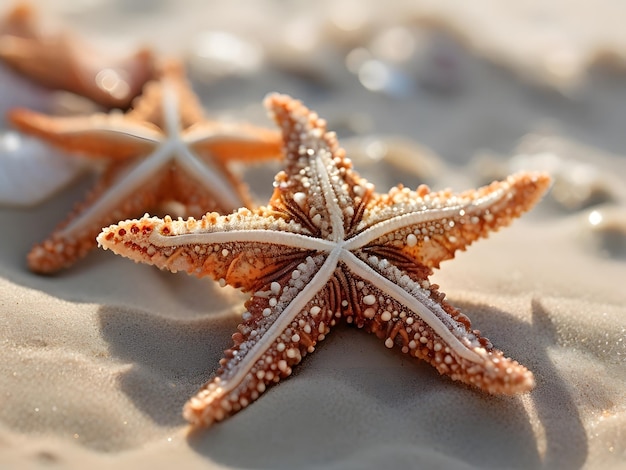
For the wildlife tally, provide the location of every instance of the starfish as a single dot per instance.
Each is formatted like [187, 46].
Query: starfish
[64, 62]
[161, 151]
[327, 247]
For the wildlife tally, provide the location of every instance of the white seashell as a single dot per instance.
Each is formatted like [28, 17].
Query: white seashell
[30, 171]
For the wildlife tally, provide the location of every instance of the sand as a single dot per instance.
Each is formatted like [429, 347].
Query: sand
[98, 360]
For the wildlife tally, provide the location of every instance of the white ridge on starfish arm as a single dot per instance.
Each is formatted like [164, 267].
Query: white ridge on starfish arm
[420, 216]
[424, 308]
[204, 170]
[287, 239]
[236, 377]
[134, 176]
[336, 221]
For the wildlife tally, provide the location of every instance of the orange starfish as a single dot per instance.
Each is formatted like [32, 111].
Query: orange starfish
[328, 247]
[61, 61]
[163, 150]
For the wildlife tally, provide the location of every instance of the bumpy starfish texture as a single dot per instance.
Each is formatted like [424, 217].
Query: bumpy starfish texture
[162, 151]
[64, 62]
[328, 247]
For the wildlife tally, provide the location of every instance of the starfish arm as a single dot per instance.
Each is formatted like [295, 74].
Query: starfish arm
[113, 82]
[101, 135]
[318, 186]
[76, 235]
[122, 192]
[284, 322]
[410, 313]
[428, 227]
[236, 142]
[171, 93]
[245, 249]
[60, 61]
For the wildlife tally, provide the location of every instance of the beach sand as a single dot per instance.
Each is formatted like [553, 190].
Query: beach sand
[98, 360]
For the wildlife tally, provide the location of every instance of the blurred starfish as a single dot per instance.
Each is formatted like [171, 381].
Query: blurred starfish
[161, 151]
[64, 62]
[328, 247]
